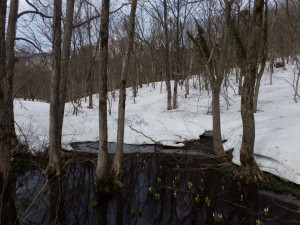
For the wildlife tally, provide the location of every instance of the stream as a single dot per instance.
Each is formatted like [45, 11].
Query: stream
[163, 186]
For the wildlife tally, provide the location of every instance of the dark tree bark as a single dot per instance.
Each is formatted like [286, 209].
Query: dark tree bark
[117, 164]
[10, 63]
[101, 170]
[8, 215]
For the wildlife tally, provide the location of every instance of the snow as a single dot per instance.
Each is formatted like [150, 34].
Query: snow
[277, 143]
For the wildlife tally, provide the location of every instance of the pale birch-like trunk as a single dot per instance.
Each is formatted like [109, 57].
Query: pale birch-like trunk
[117, 163]
[101, 169]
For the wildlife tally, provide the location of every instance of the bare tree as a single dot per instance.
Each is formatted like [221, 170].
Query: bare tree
[263, 57]
[249, 165]
[215, 63]
[101, 170]
[60, 63]
[54, 151]
[65, 58]
[117, 164]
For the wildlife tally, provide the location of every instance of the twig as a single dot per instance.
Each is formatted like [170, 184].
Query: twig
[291, 210]
[139, 132]
[22, 104]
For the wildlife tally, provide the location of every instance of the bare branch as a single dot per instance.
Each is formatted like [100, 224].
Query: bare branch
[98, 16]
[34, 12]
[30, 42]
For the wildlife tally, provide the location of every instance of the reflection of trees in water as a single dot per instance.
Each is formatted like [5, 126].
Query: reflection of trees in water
[185, 189]
[32, 197]
[78, 191]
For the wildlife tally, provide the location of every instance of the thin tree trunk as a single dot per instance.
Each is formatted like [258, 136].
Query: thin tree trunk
[167, 53]
[271, 68]
[10, 63]
[101, 169]
[242, 73]
[117, 164]
[187, 80]
[90, 67]
[54, 148]
[175, 105]
[264, 52]
[66, 50]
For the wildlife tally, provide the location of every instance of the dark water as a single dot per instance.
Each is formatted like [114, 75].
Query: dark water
[161, 188]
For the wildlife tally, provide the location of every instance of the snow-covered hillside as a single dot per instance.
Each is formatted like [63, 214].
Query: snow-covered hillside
[277, 145]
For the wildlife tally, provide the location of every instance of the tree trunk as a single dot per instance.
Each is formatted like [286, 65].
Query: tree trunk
[10, 64]
[167, 53]
[175, 105]
[65, 57]
[117, 164]
[217, 136]
[7, 209]
[187, 80]
[247, 147]
[101, 170]
[264, 53]
[271, 68]
[90, 66]
[249, 165]
[54, 147]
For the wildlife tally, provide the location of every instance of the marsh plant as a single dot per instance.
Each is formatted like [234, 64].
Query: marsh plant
[207, 202]
[258, 222]
[266, 211]
[217, 217]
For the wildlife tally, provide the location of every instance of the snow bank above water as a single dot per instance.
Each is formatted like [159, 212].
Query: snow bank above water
[277, 146]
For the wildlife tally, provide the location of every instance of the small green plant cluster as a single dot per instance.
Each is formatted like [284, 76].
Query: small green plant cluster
[197, 198]
[217, 217]
[155, 195]
[207, 202]
[266, 211]
[258, 222]
[135, 211]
